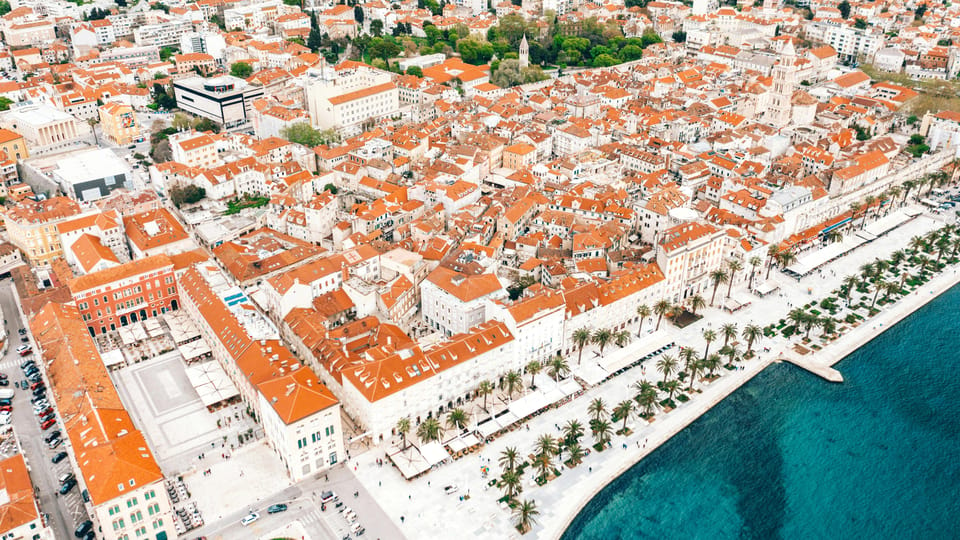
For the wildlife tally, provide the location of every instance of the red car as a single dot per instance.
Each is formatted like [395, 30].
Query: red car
[5, 408]
[48, 423]
[38, 384]
[45, 412]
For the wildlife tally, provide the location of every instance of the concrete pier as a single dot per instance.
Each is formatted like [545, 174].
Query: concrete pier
[820, 370]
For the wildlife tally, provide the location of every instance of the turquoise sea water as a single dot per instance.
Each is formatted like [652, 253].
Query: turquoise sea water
[794, 457]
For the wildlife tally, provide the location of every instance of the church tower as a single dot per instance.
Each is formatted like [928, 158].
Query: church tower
[784, 83]
[524, 53]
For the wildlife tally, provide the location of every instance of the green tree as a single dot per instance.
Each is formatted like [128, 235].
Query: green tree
[661, 308]
[181, 194]
[457, 419]
[534, 367]
[679, 36]
[508, 458]
[376, 27]
[241, 69]
[630, 52]
[303, 133]
[650, 37]
[5, 103]
[667, 365]
[605, 60]
[415, 71]
[623, 411]
[844, 8]
[358, 14]
[643, 311]
[4, 7]
[718, 276]
[860, 23]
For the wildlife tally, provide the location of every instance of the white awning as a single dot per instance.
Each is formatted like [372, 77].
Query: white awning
[434, 453]
[409, 461]
[888, 223]
[818, 258]
[113, 358]
[211, 383]
[527, 405]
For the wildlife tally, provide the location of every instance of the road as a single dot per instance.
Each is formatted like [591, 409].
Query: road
[303, 501]
[64, 511]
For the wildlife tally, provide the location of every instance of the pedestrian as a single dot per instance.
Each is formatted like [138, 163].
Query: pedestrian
[590, 469]
[401, 519]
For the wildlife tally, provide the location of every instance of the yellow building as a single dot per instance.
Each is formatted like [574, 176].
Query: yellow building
[13, 144]
[32, 227]
[519, 156]
[119, 124]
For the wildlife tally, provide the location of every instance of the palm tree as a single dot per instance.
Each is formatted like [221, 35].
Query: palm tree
[907, 186]
[457, 419]
[894, 192]
[878, 286]
[602, 432]
[403, 427]
[889, 288]
[695, 367]
[797, 316]
[754, 263]
[786, 258]
[581, 337]
[922, 262]
[689, 357]
[828, 325]
[575, 454]
[597, 409]
[545, 448]
[429, 430]
[533, 368]
[661, 308]
[485, 388]
[772, 252]
[558, 367]
[671, 386]
[718, 276]
[572, 431]
[647, 400]
[898, 256]
[512, 382]
[735, 266]
[729, 330]
[855, 208]
[508, 458]
[850, 282]
[917, 244]
[711, 363]
[643, 311]
[524, 515]
[751, 333]
[621, 338]
[942, 244]
[511, 482]
[623, 411]
[868, 201]
[666, 365]
[696, 303]
[709, 336]
[833, 236]
[601, 338]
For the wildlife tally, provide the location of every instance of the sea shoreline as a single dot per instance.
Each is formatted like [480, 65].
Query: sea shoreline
[715, 392]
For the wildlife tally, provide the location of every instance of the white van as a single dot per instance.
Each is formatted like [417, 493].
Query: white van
[6, 393]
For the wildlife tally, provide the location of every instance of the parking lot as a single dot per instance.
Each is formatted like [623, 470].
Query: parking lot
[64, 512]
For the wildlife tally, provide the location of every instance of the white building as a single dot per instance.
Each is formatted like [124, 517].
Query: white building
[418, 384]
[687, 254]
[226, 100]
[454, 303]
[349, 98]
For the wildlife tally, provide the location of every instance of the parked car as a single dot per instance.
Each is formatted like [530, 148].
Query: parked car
[36, 385]
[22, 348]
[249, 518]
[3, 376]
[66, 477]
[22, 331]
[277, 508]
[55, 434]
[58, 458]
[65, 488]
[4, 382]
[83, 528]
[24, 365]
[6, 408]
[54, 443]
[45, 412]
[328, 496]
[48, 423]
[24, 339]
[450, 489]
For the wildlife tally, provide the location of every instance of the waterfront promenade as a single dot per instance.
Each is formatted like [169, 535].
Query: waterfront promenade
[428, 512]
